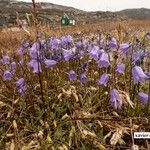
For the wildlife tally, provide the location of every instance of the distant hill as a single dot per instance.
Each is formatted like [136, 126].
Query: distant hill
[49, 13]
[141, 13]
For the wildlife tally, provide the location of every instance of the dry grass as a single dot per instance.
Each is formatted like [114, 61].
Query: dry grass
[10, 40]
[74, 112]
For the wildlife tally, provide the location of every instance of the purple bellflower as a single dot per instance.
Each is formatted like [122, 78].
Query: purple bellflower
[125, 47]
[5, 60]
[7, 75]
[55, 44]
[103, 60]
[66, 40]
[83, 78]
[22, 90]
[13, 67]
[35, 65]
[115, 99]
[94, 53]
[20, 82]
[113, 43]
[120, 68]
[143, 97]
[34, 50]
[50, 63]
[68, 54]
[138, 74]
[21, 51]
[103, 79]
[72, 75]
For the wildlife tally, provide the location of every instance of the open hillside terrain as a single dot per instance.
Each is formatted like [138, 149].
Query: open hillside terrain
[49, 13]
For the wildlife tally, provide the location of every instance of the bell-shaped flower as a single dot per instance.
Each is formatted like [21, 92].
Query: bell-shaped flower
[67, 54]
[7, 75]
[21, 51]
[72, 75]
[147, 74]
[143, 97]
[13, 67]
[5, 60]
[50, 63]
[34, 50]
[20, 82]
[103, 79]
[138, 56]
[138, 74]
[94, 53]
[22, 90]
[115, 99]
[113, 43]
[103, 60]
[66, 40]
[120, 68]
[83, 78]
[35, 65]
[125, 47]
[55, 43]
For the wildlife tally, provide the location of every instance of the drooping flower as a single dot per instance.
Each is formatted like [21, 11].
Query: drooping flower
[115, 99]
[27, 44]
[103, 79]
[57, 57]
[21, 51]
[34, 50]
[113, 43]
[86, 43]
[50, 63]
[13, 67]
[7, 75]
[83, 78]
[5, 60]
[103, 60]
[143, 97]
[72, 75]
[55, 43]
[35, 65]
[34, 53]
[138, 56]
[125, 47]
[138, 74]
[22, 90]
[20, 82]
[147, 74]
[66, 40]
[67, 54]
[94, 53]
[79, 44]
[120, 68]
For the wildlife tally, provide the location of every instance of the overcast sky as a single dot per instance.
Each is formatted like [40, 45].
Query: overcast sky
[95, 5]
